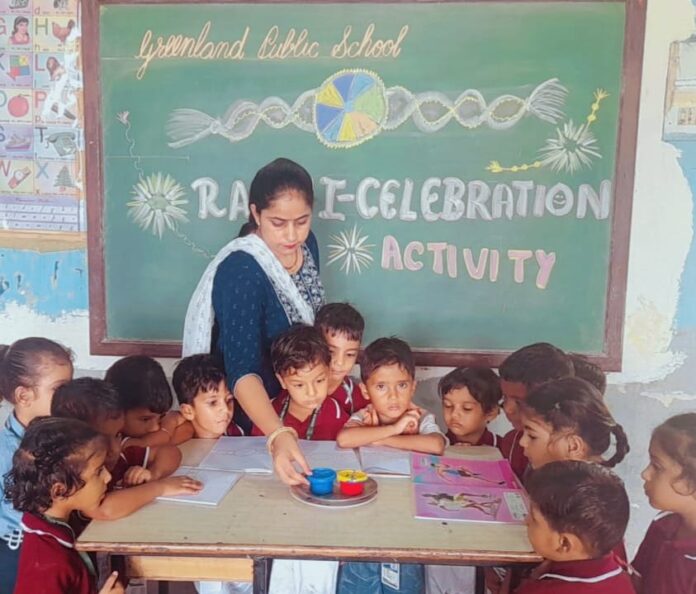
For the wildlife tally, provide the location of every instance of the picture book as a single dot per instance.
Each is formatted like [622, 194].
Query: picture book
[216, 484]
[385, 461]
[442, 470]
[472, 504]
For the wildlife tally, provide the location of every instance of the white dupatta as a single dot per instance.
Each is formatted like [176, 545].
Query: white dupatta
[198, 326]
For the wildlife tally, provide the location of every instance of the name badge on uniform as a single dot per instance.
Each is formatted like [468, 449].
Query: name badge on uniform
[390, 575]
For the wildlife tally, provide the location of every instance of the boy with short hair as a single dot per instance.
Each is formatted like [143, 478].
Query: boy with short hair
[142, 470]
[522, 371]
[579, 513]
[387, 370]
[342, 327]
[145, 396]
[301, 362]
[470, 400]
[205, 403]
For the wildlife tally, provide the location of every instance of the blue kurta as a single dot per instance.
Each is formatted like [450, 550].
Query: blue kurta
[248, 316]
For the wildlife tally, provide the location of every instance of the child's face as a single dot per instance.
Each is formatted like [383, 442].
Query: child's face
[541, 445]
[113, 429]
[390, 388]
[544, 539]
[662, 484]
[211, 411]
[96, 477]
[308, 387]
[344, 353]
[464, 415]
[50, 376]
[141, 421]
[514, 394]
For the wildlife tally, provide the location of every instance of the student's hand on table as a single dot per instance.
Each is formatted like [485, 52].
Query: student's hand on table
[136, 475]
[286, 453]
[180, 485]
[112, 585]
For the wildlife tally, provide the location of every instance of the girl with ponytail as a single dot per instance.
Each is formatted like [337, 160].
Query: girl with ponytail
[567, 419]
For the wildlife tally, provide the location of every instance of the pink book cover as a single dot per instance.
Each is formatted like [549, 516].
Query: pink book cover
[442, 470]
[470, 504]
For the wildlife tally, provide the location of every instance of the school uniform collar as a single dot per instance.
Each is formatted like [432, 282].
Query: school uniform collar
[589, 571]
[61, 532]
[669, 524]
[13, 425]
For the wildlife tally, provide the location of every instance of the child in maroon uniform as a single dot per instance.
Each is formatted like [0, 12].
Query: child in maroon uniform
[301, 363]
[666, 560]
[59, 468]
[145, 395]
[579, 513]
[342, 327]
[524, 369]
[142, 470]
[470, 400]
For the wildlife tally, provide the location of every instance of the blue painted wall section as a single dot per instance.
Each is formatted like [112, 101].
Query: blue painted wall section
[50, 283]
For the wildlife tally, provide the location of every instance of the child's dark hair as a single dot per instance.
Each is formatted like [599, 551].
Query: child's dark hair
[140, 382]
[299, 347]
[387, 351]
[279, 175]
[584, 499]
[676, 437]
[573, 404]
[535, 364]
[54, 451]
[590, 372]
[20, 363]
[87, 399]
[340, 318]
[483, 384]
[194, 374]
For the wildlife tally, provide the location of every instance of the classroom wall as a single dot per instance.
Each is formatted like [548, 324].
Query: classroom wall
[660, 324]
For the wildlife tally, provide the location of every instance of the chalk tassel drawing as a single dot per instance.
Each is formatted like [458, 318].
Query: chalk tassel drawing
[156, 204]
[572, 148]
[352, 106]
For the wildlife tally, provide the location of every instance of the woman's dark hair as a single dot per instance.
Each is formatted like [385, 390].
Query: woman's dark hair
[19, 21]
[576, 405]
[340, 318]
[194, 374]
[20, 363]
[278, 176]
[676, 437]
[584, 499]
[53, 451]
[87, 399]
[297, 348]
[387, 351]
[535, 364]
[141, 383]
[483, 384]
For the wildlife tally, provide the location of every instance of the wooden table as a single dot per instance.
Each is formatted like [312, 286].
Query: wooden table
[259, 520]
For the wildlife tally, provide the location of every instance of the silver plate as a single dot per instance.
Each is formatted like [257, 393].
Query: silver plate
[335, 499]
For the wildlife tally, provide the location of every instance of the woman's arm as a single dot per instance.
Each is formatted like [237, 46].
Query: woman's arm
[252, 397]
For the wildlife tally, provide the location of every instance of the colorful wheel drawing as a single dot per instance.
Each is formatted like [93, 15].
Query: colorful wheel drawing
[350, 108]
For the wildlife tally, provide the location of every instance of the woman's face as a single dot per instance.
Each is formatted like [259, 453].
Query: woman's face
[284, 225]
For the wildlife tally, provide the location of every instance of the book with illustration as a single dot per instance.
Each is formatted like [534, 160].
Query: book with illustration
[459, 489]
[428, 468]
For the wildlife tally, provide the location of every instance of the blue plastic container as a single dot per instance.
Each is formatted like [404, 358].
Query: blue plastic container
[321, 481]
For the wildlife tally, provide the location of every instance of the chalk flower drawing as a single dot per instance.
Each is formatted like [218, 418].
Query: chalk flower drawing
[351, 249]
[157, 202]
[573, 147]
[123, 116]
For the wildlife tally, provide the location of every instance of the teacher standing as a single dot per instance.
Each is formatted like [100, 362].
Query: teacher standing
[255, 288]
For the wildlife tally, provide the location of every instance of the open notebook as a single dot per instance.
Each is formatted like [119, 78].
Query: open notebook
[216, 484]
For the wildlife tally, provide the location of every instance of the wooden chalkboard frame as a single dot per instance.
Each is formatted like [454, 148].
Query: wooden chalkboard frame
[609, 360]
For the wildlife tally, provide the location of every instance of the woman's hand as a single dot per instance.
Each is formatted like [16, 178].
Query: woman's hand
[286, 452]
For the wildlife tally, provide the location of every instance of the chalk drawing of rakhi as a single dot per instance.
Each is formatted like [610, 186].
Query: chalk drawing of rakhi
[352, 106]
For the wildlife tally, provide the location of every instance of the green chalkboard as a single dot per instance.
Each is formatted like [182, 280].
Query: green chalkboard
[473, 162]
